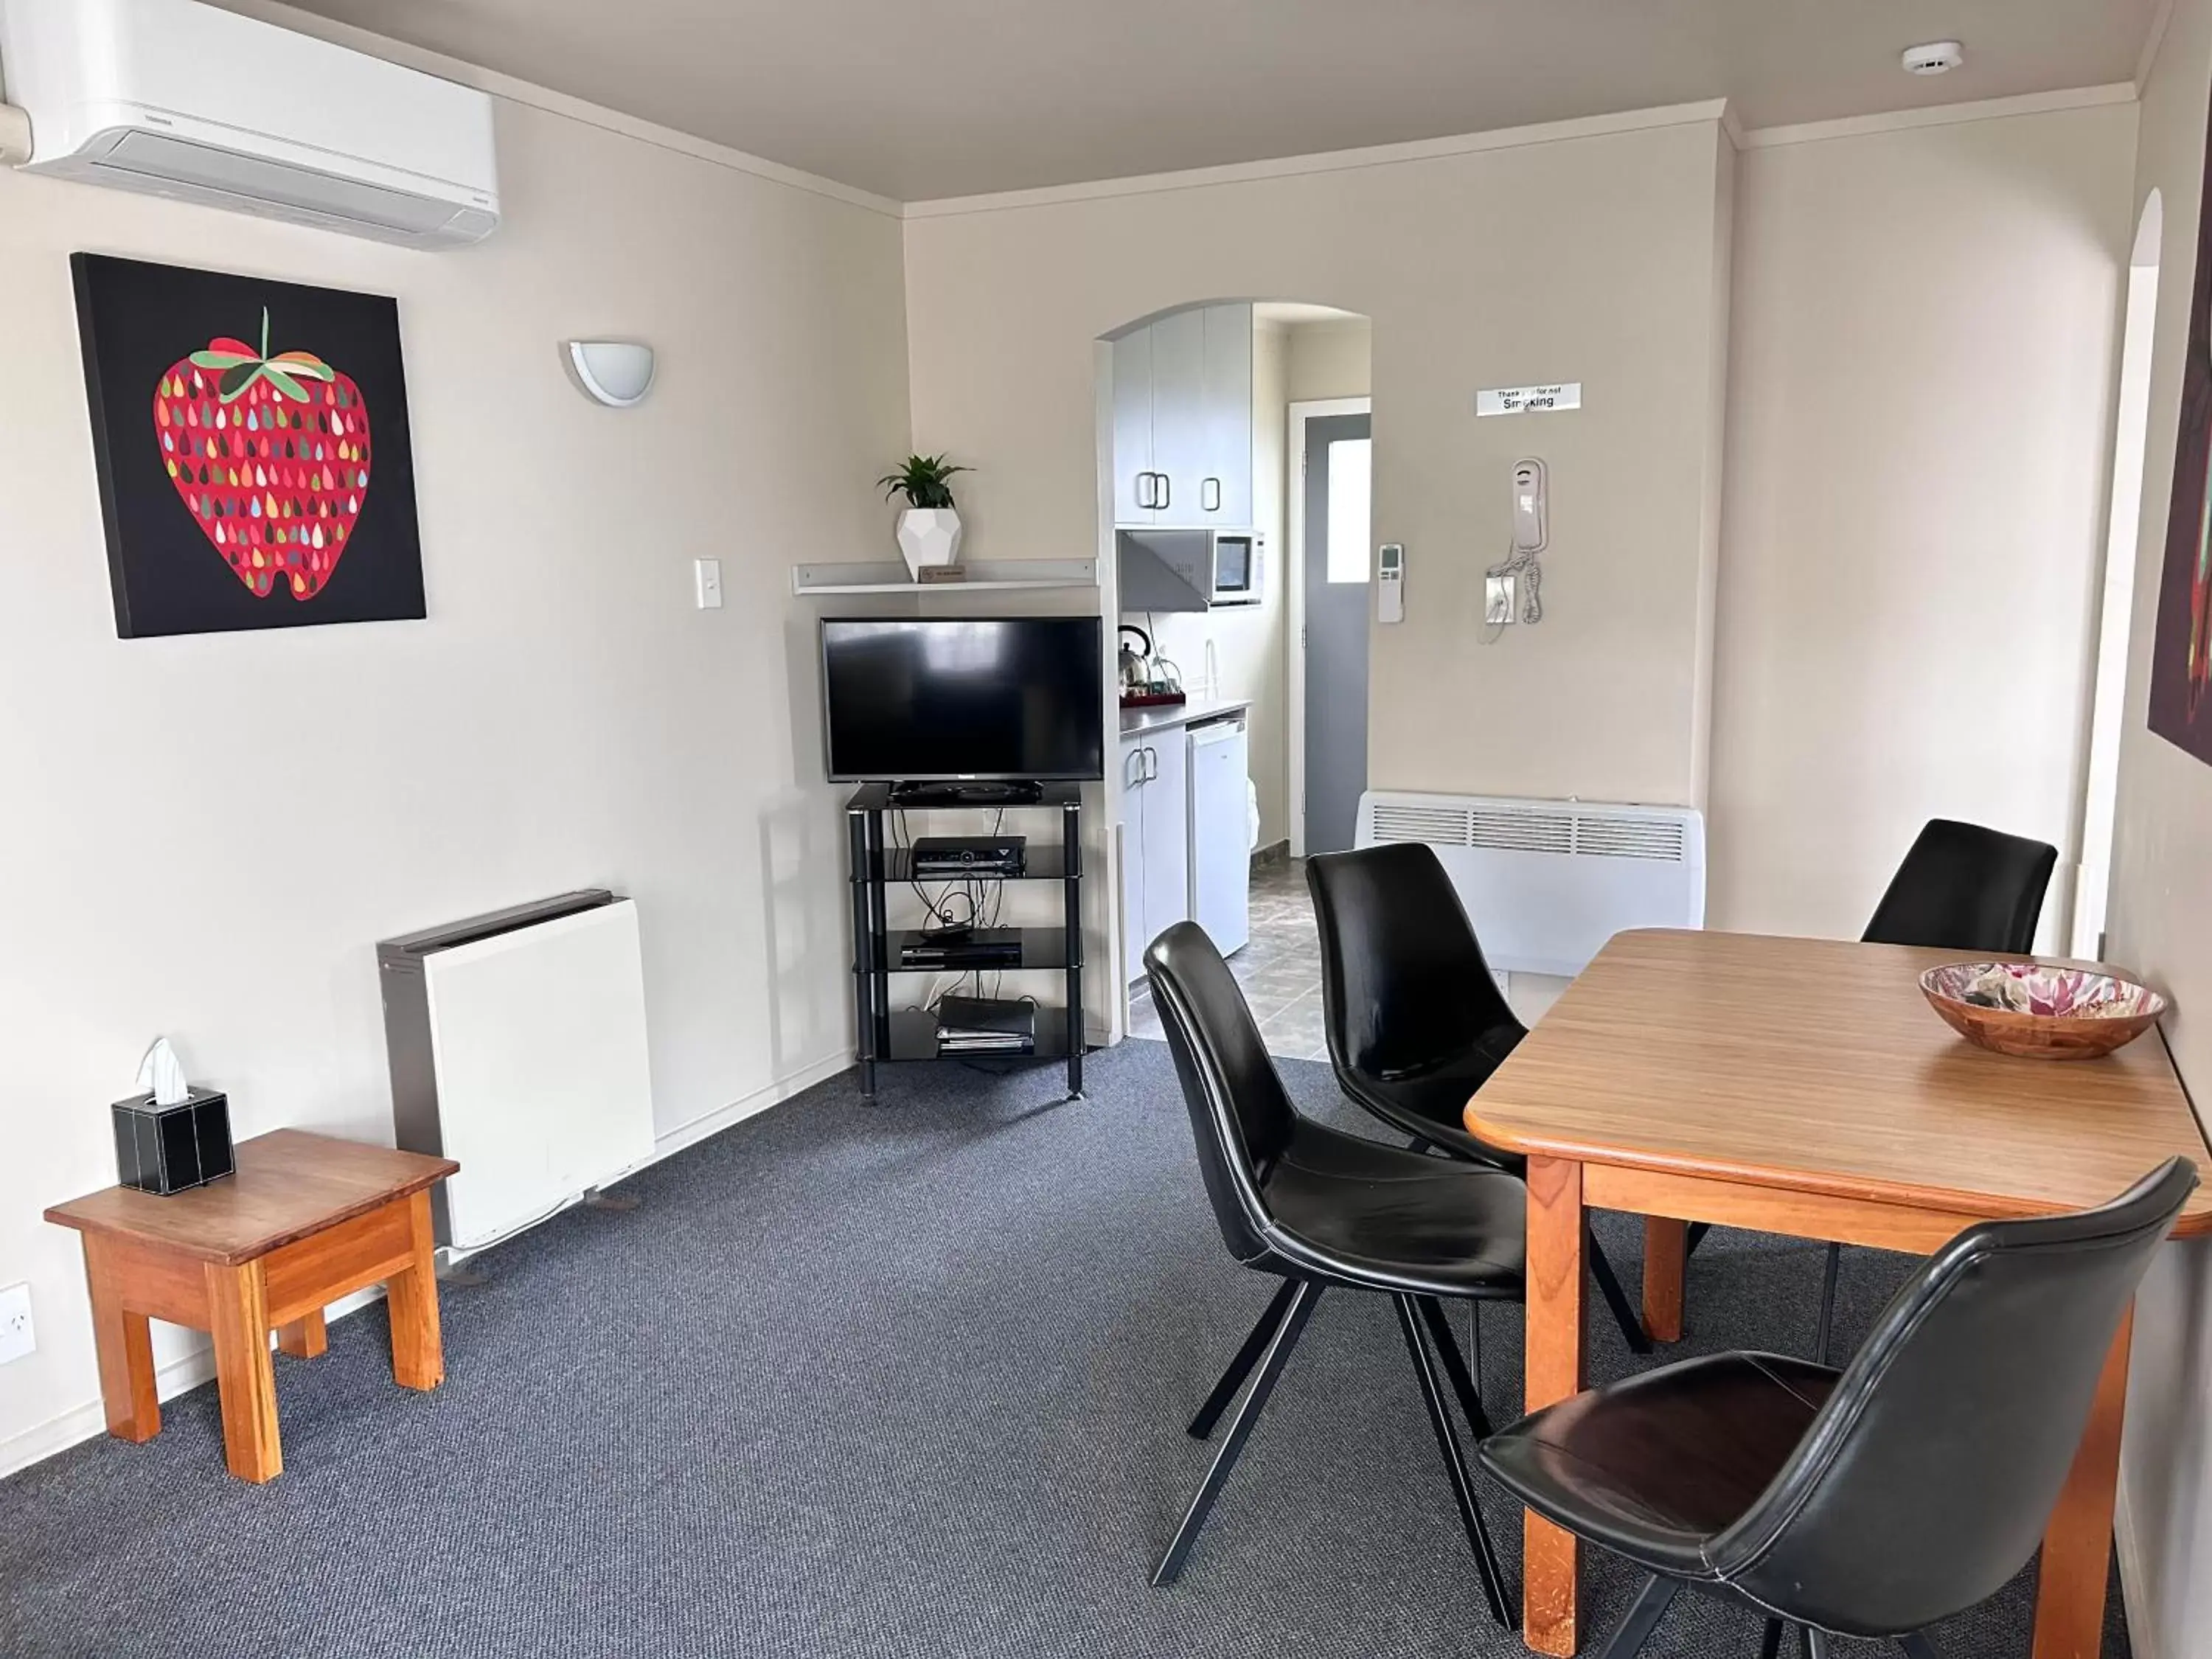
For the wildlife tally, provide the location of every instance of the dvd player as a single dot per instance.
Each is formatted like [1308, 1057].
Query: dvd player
[966, 948]
[949, 857]
[986, 1026]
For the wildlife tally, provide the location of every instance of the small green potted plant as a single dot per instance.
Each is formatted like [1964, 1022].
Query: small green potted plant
[929, 527]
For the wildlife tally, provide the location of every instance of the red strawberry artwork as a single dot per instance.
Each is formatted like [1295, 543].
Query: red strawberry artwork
[271, 455]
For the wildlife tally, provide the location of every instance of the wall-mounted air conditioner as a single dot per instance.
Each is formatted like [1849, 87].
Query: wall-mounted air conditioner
[1546, 883]
[173, 98]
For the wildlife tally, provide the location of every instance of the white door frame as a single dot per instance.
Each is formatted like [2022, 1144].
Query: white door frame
[1294, 590]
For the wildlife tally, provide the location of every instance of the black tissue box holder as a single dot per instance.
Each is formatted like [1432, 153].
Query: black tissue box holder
[168, 1149]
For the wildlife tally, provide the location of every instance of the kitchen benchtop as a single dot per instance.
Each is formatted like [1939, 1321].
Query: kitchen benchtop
[1162, 717]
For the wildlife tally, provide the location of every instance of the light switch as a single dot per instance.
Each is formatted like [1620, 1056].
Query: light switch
[707, 572]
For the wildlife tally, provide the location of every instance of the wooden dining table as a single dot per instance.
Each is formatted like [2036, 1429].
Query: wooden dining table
[1805, 1087]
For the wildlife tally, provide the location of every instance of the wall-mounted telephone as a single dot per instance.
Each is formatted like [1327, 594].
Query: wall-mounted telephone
[1529, 510]
[1517, 582]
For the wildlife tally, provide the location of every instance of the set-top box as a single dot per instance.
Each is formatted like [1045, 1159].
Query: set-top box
[949, 857]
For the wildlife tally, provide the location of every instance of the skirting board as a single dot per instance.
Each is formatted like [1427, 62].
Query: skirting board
[182, 1375]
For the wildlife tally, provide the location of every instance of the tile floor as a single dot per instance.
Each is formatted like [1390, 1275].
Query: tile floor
[1279, 969]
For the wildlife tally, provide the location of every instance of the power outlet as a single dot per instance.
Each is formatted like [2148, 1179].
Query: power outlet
[1497, 600]
[16, 1336]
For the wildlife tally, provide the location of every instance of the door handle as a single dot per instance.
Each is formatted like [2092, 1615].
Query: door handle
[1209, 494]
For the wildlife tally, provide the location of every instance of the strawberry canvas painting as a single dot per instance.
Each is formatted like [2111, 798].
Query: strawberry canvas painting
[252, 448]
[2181, 650]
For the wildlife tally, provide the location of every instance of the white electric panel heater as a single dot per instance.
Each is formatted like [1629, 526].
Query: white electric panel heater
[1548, 883]
[517, 1046]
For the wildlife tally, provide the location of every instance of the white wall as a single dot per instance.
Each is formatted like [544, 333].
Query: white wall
[1005, 300]
[2160, 922]
[1331, 360]
[1920, 422]
[206, 835]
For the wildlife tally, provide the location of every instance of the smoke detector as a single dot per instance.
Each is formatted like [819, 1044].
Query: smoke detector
[1937, 57]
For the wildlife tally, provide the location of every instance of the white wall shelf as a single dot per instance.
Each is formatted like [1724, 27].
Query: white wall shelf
[890, 576]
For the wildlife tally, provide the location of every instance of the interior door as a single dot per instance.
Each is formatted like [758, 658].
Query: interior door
[1179, 446]
[1339, 470]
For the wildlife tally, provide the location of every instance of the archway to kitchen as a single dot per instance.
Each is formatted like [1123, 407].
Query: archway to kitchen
[1235, 464]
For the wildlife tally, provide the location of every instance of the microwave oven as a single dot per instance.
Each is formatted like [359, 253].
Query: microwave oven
[1237, 568]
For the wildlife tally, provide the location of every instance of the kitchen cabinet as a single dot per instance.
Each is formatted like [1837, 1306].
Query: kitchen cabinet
[1183, 421]
[1155, 838]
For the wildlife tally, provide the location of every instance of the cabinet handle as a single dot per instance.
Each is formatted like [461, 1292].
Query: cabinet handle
[1209, 494]
[1152, 765]
[1144, 490]
[1167, 490]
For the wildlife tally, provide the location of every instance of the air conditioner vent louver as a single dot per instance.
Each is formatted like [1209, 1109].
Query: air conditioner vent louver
[1629, 838]
[1522, 832]
[1440, 826]
[1546, 883]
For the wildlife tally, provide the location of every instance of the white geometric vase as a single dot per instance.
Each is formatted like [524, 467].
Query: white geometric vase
[929, 536]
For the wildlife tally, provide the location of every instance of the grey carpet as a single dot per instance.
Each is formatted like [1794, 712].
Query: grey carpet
[906, 1382]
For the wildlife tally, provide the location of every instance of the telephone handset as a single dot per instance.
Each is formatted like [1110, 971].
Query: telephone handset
[1529, 512]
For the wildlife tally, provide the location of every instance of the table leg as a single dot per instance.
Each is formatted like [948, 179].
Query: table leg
[410, 1299]
[125, 1349]
[305, 1338]
[245, 1381]
[1558, 1237]
[1666, 1255]
[2070, 1600]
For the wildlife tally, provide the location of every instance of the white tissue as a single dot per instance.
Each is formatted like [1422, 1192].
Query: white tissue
[161, 1074]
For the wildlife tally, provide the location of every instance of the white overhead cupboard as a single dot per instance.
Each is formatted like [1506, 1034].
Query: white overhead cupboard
[1183, 421]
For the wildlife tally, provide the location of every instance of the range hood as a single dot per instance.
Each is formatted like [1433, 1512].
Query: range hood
[1173, 570]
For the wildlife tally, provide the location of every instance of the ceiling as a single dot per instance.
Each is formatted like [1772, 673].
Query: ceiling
[956, 97]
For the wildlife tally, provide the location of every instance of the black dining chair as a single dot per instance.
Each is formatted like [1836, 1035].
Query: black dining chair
[1415, 1023]
[1960, 888]
[1875, 1501]
[1318, 1208]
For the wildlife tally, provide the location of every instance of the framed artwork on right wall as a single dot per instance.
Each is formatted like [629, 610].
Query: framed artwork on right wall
[2181, 650]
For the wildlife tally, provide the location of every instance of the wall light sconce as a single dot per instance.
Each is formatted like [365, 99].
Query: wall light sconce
[616, 372]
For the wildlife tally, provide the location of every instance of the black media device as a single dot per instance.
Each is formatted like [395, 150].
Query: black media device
[985, 1026]
[949, 858]
[972, 711]
[964, 950]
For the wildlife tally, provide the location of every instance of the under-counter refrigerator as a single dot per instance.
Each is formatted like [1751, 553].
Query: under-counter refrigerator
[1220, 831]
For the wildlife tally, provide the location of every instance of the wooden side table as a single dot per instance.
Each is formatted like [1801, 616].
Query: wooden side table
[305, 1220]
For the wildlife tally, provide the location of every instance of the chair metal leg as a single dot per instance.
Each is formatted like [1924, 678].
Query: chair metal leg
[1770, 1645]
[1828, 1303]
[1642, 1618]
[1241, 1367]
[1920, 1645]
[1303, 1297]
[1463, 1384]
[1624, 1311]
[1478, 1535]
[1694, 1237]
[1816, 1642]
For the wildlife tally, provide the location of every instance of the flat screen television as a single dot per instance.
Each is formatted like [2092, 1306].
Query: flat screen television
[952, 700]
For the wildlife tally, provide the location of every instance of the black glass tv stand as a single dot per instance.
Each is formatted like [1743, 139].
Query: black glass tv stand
[886, 1027]
[968, 794]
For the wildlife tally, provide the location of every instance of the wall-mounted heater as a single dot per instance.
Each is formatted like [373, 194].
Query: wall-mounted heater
[517, 1042]
[1548, 883]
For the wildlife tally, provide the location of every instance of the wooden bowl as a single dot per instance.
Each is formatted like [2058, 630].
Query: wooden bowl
[2039, 1012]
